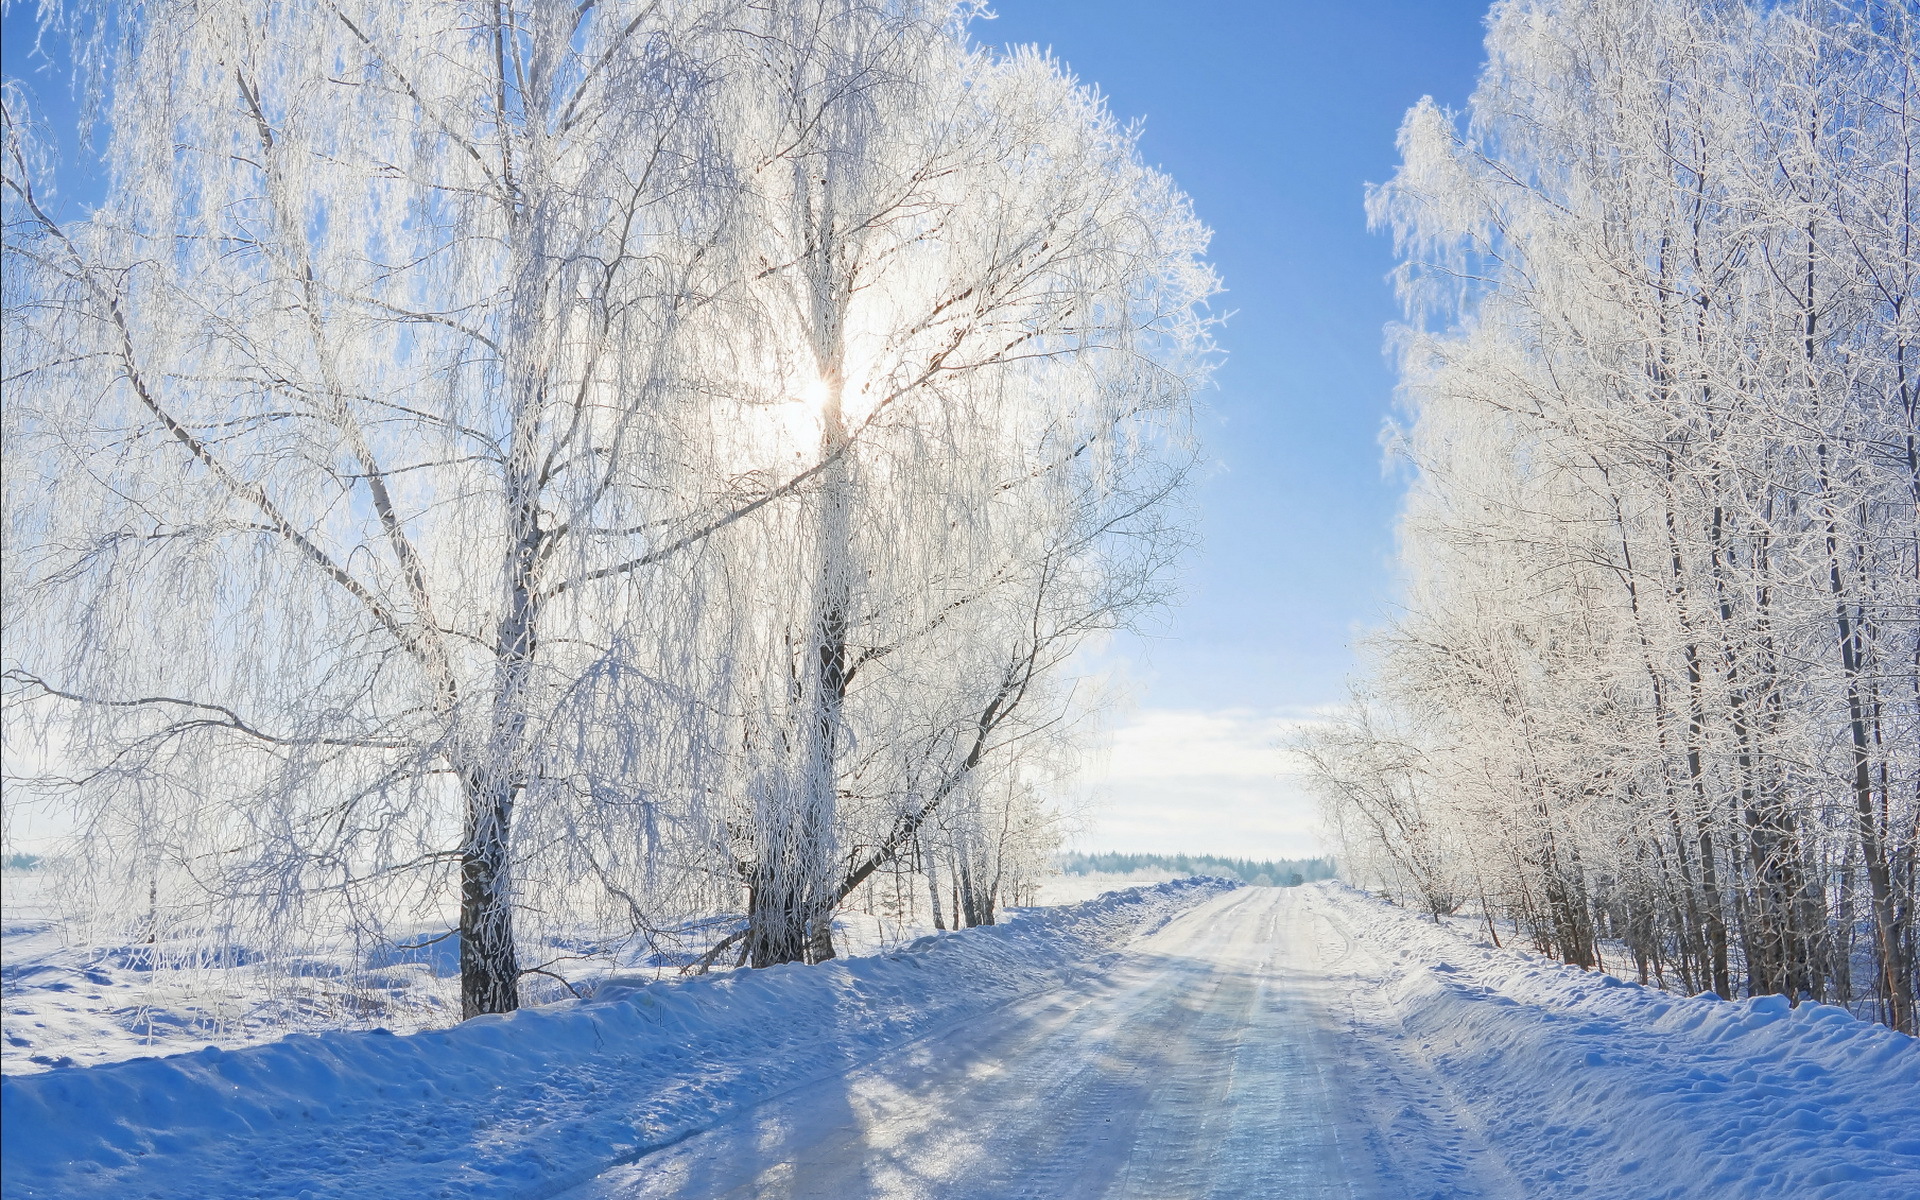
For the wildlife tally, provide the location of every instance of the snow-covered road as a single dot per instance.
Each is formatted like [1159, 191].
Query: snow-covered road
[1177, 1041]
[1204, 1065]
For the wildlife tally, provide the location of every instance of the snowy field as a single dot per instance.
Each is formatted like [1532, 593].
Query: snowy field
[70, 1000]
[1175, 1040]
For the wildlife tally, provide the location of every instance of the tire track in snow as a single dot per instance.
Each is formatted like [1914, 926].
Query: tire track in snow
[1427, 1136]
[1210, 1063]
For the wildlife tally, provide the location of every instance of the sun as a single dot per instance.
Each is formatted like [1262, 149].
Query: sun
[815, 393]
[799, 418]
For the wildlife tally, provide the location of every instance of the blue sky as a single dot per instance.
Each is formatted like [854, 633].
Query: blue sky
[1273, 117]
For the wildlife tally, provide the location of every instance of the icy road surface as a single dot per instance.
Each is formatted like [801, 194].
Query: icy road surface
[1212, 1062]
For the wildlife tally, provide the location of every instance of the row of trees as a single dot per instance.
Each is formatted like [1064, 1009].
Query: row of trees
[616, 464]
[1284, 872]
[1657, 676]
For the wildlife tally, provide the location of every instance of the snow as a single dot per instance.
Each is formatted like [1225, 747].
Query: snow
[1180, 1039]
[499, 1106]
[74, 999]
[1589, 1084]
[1314, 1042]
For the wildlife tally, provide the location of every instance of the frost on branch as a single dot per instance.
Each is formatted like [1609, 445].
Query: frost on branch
[570, 474]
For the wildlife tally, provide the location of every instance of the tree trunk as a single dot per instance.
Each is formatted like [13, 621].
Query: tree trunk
[489, 962]
[1715, 907]
[820, 938]
[791, 907]
[933, 888]
[969, 895]
[1896, 976]
[778, 929]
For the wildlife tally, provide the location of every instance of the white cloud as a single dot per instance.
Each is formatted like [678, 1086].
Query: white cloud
[1201, 782]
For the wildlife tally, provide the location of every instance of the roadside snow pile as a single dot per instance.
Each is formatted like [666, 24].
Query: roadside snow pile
[531, 1103]
[1593, 1085]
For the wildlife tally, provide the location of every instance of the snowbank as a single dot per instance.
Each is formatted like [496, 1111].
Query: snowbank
[531, 1103]
[1588, 1083]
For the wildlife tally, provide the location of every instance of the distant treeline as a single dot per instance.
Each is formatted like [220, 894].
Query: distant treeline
[1283, 872]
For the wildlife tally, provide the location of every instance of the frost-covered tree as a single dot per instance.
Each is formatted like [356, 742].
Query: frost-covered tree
[1662, 543]
[986, 307]
[348, 433]
[1373, 793]
[588, 460]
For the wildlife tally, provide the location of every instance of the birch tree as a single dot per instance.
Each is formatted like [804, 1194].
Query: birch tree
[585, 461]
[1661, 538]
[991, 309]
[382, 365]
